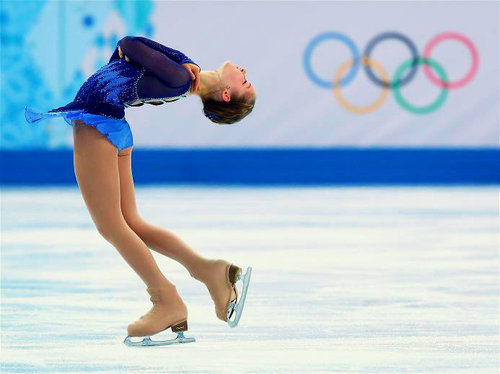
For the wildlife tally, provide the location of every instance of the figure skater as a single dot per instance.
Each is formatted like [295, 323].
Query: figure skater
[144, 71]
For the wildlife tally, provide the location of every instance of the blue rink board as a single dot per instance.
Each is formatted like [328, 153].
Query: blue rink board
[297, 166]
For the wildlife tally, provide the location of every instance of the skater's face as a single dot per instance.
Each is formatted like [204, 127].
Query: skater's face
[234, 76]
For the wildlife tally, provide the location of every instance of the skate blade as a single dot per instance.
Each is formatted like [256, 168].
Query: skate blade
[147, 342]
[237, 308]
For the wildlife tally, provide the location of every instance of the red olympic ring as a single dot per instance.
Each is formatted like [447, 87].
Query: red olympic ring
[470, 46]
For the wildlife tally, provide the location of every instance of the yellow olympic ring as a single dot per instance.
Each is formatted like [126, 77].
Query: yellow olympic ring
[360, 109]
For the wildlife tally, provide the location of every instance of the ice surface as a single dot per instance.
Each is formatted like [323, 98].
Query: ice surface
[345, 280]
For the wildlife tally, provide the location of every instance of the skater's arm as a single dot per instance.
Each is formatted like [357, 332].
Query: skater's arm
[174, 54]
[164, 67]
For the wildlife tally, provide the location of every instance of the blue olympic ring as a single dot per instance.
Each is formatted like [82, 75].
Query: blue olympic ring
[336, 36]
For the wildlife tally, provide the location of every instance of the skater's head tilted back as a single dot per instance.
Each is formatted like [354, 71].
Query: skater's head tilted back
[227, 95]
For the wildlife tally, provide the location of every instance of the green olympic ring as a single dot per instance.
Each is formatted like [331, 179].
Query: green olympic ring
[409, 107]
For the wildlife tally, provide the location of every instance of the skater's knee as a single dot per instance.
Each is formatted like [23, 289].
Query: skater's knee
[105, 231]
[110, 231]
[139, 226]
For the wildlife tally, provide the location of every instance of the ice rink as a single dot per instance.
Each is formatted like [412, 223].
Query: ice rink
[345, 280]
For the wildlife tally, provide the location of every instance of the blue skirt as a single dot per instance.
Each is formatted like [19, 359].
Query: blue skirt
[116, 131]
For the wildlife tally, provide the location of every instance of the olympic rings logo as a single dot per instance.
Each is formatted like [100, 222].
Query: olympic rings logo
[347, 71]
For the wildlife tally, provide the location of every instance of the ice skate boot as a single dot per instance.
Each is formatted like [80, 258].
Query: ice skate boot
[168, 311]
[220, 278]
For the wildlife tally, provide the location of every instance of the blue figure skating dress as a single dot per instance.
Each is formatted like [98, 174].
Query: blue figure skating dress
[153, 76]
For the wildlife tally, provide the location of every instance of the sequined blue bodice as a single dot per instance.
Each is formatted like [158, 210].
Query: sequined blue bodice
[154, 75]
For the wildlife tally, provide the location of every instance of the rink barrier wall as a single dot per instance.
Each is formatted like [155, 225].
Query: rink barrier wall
[271, 166]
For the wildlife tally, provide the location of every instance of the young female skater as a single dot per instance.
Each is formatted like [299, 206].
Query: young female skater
[144, 71]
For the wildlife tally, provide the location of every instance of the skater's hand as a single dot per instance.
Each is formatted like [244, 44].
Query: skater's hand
[120, 53]
[194, 71]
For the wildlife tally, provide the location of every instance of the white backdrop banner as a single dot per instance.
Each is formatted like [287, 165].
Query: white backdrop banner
[327, 73]
[447, 94]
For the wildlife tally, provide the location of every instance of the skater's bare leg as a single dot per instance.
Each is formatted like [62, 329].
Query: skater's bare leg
[156, 238]
[212, 272]
[96, 170]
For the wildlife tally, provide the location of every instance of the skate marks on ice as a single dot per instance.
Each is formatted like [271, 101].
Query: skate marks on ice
[345, 280]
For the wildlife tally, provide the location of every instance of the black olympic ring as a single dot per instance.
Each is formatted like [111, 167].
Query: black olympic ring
[414, 56]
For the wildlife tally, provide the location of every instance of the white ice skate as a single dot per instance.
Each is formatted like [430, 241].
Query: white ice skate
[236, 306]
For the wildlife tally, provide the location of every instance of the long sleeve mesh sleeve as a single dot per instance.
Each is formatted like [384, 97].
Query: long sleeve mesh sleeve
[174, 54]
[165, 63]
